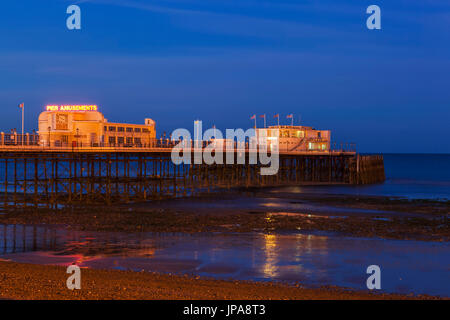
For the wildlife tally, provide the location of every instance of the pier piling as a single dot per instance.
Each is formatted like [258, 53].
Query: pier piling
[53, 178]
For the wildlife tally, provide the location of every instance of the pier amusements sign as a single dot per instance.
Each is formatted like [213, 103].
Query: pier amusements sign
[72, 108]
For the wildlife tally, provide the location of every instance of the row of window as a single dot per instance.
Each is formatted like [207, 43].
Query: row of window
[128, 129]
[122, 140]
[295, 134]
[286, 133]
[292, 134]
[316, 146]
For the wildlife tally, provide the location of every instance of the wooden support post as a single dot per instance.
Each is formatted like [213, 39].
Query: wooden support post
[6, 183]
[36, 179]
[25, 183]
[15, 181]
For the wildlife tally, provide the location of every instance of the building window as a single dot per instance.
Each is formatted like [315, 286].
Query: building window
[112, 128]
[319, 134]
[129, 129]
[106, 129]
[137, 129]
[129, 140]
[120, 140]
[137, 140]
[62, 121]
[120, 129]
[145, 130]
[112, 140]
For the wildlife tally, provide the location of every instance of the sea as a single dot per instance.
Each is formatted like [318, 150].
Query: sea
[412, 176]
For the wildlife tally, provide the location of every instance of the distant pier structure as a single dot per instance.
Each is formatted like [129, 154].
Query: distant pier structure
[78, 157]
[49, 178]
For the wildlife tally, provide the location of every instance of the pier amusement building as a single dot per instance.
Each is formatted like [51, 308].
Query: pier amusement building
[299, 138]
[84, 125]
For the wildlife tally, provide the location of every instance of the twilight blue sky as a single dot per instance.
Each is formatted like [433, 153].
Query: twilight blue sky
[221, 61]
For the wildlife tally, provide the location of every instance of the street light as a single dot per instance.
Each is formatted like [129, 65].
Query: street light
[49, 128]
[78, 135]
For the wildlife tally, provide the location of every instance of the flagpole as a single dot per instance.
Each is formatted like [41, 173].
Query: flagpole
[22, 121]
[264, 120]
[292, 120]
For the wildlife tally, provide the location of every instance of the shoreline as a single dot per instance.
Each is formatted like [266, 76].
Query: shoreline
[259, 211]
[255, 212]
[48, 282]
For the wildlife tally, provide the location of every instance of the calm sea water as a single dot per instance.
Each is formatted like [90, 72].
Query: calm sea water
[413, 176]
[312, 259]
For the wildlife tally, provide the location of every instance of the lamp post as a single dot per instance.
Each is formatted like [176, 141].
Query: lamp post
[49, 128]
[78, 135]
[22, 106]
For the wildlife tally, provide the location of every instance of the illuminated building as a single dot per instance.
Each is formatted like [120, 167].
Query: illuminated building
[298, 138]
[84, 125]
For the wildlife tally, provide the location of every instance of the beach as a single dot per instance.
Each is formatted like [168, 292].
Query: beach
[27, 281]
[219, 237]
[294, 242]
[256, 210]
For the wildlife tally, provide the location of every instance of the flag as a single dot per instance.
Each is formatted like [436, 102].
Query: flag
[253, 117]
[290, 116]
[262, 116]
[277, 115]
[21, 105]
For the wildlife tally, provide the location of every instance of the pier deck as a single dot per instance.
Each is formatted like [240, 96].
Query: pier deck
[134, 149]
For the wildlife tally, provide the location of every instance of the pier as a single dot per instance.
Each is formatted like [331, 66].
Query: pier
[33, 175]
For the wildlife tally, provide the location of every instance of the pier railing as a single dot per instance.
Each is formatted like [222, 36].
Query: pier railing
[15, 139]
[31, 142]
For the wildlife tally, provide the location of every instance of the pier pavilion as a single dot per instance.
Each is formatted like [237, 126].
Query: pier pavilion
[84, 125]
[298, 138]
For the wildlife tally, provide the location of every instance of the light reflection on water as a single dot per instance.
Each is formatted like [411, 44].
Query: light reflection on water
[311, 259]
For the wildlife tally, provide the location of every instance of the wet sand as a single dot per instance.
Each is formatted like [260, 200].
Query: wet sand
[260, 211]
[310, 259]
[27, 281]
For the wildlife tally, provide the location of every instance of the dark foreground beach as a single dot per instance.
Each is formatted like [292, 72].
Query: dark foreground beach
[260, 211]
[27, 281]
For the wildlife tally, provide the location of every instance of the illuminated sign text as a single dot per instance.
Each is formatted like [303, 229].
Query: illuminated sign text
[72, 108]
